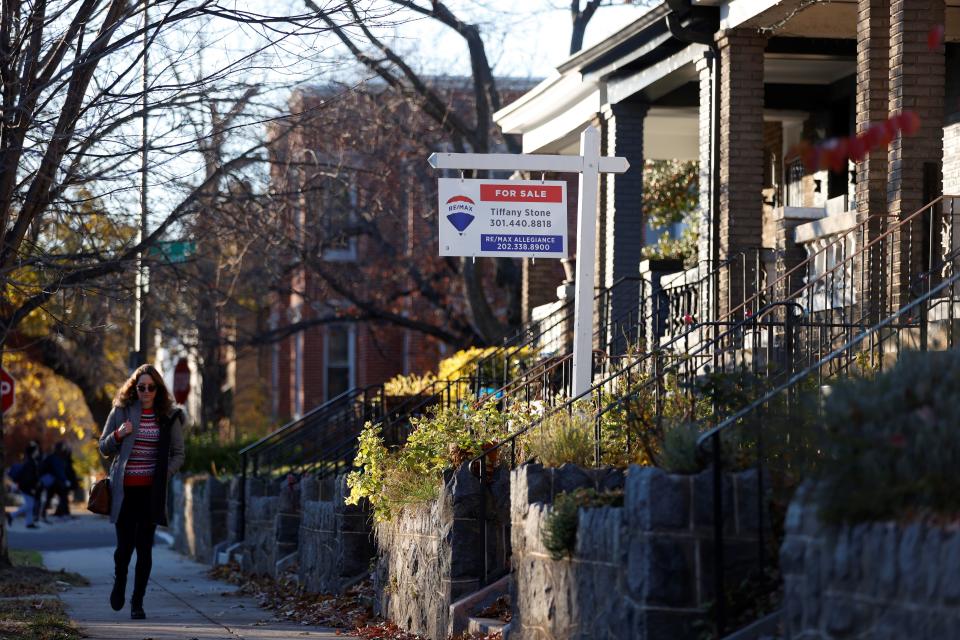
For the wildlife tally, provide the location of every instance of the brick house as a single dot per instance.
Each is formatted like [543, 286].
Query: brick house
[354, 191]
[734, 85]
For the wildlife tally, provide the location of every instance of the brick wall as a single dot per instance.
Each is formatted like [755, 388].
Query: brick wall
[741, 150]
[872, 106]
[704, 70]
[541, 279]
[916, 82]
[624, 221]
[379, 353]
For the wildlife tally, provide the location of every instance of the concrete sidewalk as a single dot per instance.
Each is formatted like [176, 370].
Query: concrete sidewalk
[182, 603]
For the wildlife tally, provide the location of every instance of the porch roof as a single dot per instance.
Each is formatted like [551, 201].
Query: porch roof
[643, 62]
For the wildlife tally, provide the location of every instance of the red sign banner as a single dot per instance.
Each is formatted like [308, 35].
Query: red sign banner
[520, 193]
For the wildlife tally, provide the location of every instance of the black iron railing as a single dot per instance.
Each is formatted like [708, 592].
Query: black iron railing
[308, 443]
[877, 346]
[862, 310]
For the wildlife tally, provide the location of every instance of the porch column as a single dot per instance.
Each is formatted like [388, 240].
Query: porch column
[741, 162]
[917, 78]
[872, 107]
[623, 219]
[705, 144]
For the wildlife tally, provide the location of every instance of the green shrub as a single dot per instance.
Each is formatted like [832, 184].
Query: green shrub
[893, 443]
[559, 534]
[563, 437]
[678, 452]
[207, 453]
[394, 480]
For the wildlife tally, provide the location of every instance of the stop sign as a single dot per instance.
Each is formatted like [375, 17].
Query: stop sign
[181, 381]
[6, 390]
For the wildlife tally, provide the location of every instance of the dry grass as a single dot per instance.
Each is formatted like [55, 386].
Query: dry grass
[25, 617]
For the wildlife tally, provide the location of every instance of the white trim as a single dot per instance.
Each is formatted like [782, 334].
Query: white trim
[736, 12]
[524, 162]
[825, 226]
[620, 89]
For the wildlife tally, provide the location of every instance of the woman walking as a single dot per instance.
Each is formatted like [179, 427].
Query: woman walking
[143, 436]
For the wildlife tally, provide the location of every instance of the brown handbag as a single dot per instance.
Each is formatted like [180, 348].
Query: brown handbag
[99, 500]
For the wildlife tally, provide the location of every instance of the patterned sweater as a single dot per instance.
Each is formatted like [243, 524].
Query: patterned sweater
[143, 458]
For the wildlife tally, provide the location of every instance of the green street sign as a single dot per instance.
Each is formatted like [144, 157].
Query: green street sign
[173, 251]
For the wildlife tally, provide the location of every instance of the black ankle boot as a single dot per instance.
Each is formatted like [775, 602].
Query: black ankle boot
[136, 608]
[117, 595]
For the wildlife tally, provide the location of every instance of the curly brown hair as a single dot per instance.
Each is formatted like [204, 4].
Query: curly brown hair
[127, 394]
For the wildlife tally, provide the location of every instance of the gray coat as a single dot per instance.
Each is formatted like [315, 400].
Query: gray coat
[169, 457]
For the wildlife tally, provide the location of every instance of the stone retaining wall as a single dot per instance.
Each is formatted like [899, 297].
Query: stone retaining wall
[272, 525]
[199, 518]
[432, 556]
[336, 541]
[880, 580]
[642, 571]
[233, 510]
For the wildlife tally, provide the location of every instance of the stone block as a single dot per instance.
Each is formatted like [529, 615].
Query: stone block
[466, 492]
[598, 535]
[840, 618]
[465, 549]
[907, 558]
[529, 483]
[309, 489]
[886, 562]
[792, 553]
[950, 557]
[656, 500]
[609, 479]
[929, 558]
[670, 572]
[570, 477]
[793, 605]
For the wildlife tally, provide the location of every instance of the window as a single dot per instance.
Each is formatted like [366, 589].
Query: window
[338, 204]
[339, 359]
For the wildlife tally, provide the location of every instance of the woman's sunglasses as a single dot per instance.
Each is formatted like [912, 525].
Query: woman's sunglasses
[143, 388]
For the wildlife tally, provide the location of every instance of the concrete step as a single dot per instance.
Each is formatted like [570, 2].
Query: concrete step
[485, 625]
[462, 612]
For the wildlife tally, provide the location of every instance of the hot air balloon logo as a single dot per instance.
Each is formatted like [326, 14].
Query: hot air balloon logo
[460, 212]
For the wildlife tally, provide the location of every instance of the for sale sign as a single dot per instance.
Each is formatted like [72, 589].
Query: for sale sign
[503, 218]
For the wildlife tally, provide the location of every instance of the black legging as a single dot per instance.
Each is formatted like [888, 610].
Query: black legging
[135, 530]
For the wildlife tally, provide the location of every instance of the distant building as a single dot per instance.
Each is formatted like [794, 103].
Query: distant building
[351, 185]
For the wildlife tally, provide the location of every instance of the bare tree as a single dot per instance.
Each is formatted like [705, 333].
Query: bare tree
[71, 98]
[474, 132]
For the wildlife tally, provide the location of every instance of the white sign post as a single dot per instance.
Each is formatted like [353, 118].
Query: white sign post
[589, 164]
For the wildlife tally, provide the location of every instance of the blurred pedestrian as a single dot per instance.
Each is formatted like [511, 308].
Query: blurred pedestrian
[26, 475]
[53, 477]
[143, 437]
[38, 487]
[63, 497]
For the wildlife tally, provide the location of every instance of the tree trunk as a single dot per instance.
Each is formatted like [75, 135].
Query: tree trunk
[4, 552]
